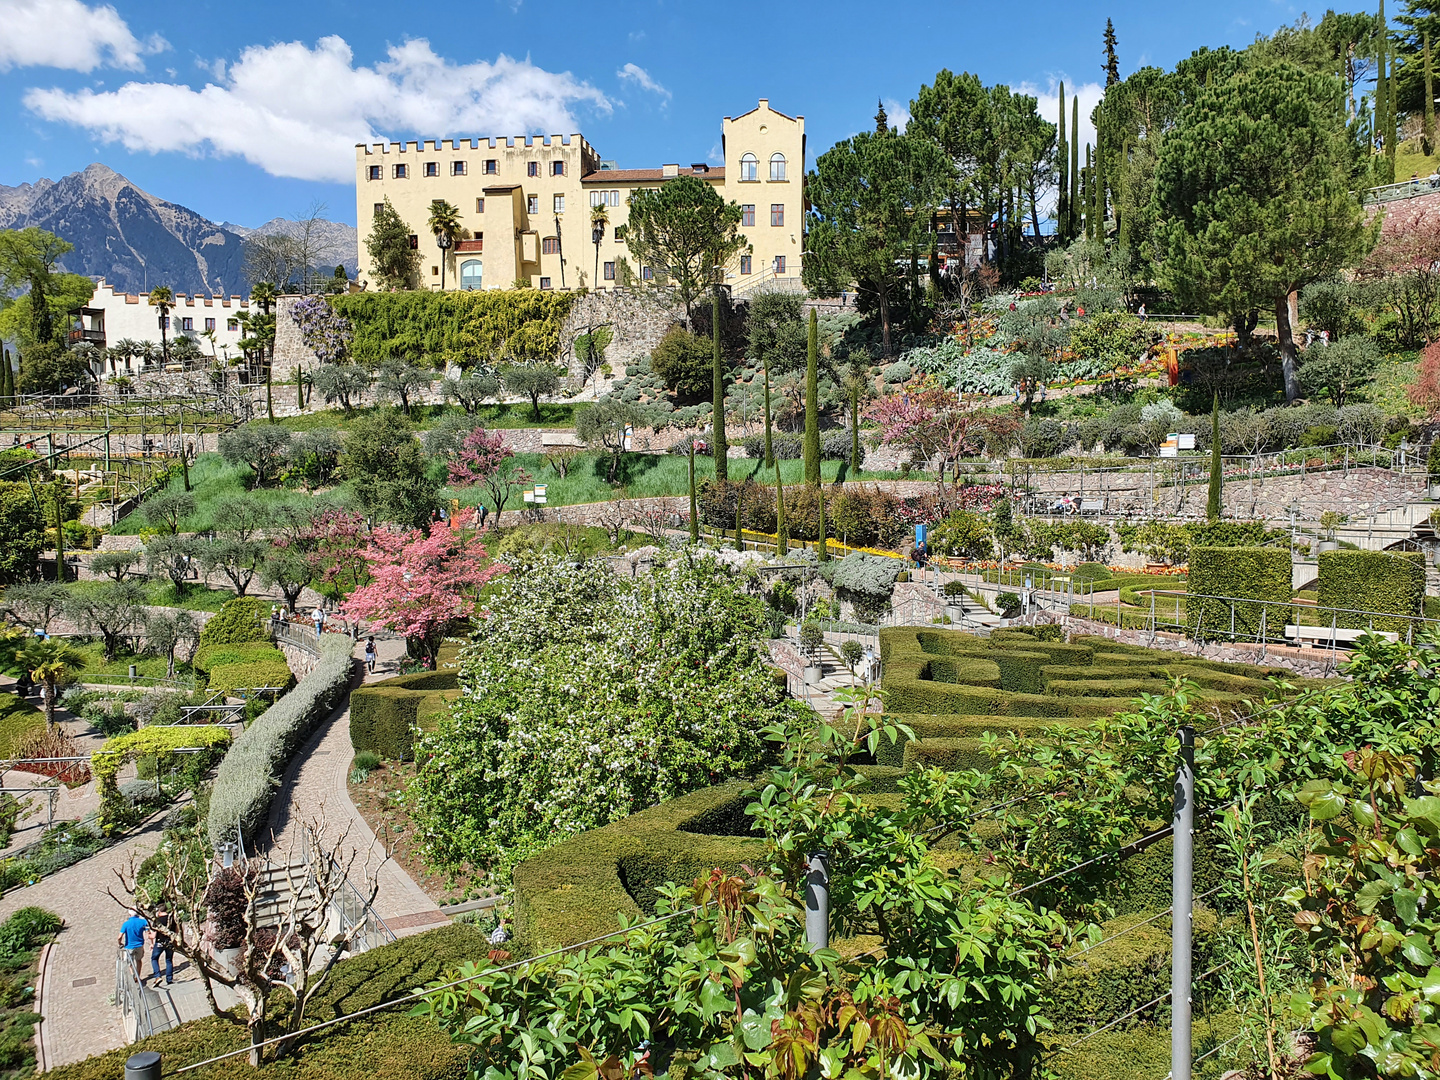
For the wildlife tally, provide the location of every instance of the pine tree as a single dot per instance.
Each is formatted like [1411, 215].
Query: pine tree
[882, 122]
[393, 262]
[1217, 476]
[1112, 62]
[782, 530]
[1062, 199]
[1429, 140]
[1074, 212]
[717, 373]
[812, 403]
[694, 509]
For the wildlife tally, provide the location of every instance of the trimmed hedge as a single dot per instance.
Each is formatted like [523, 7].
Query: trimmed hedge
[212, 656]
[240, 620]
[251, 771]
[1392, 581]
[1245, 573]
[383, 715]
[272, 671]
[18, 720]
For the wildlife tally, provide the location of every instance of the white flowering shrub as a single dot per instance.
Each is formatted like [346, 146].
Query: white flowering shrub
[588, 695]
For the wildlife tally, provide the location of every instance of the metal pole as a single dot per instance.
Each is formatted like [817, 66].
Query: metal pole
[817, 902]
[1183, 822]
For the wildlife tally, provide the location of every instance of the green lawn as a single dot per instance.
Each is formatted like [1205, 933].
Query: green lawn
[18, 718]
[556, 415]
[212, 482]
[96, 668]
[646, 475]
[195, 598]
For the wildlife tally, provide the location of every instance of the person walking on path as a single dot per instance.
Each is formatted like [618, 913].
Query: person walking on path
[162, 940]
[319, 621]
[483, 511]
[132, 939]
[370, 654]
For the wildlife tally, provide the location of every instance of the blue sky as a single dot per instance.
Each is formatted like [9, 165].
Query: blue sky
[246, 111]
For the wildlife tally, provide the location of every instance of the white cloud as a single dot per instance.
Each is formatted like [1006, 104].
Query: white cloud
[638, 75]
[299, 111]
[1047, 104]
[897, 113]
[67, 34]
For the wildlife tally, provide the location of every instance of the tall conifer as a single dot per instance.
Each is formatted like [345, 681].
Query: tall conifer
[1429, 140]
[1074, 212]
[1062, 199]
[1217, 474]
[721, 450]
[812, 403]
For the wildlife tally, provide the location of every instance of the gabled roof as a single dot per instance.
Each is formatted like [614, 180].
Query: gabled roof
[630, 176]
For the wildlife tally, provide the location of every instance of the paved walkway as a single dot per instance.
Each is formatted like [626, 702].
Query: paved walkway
[317, 784]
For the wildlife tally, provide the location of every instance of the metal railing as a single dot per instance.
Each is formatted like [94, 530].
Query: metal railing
[347, 904]
[130, 997]
[1404, 189]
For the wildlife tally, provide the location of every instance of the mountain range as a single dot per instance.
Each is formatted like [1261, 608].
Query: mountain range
[136, 241]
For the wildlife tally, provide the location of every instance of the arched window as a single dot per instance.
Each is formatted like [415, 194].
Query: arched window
[777, 166]
[470, 273]
[749, 167]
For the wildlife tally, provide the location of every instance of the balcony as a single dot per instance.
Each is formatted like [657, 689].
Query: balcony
[89, 337]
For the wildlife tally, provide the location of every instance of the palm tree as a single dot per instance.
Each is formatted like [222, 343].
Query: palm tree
[163, 298]
[599, 218]
[263, 328]
[48, 660]
[445, 224]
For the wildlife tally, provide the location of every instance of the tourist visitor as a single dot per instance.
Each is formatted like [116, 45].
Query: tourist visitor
[132, 939]
[1141, 313]
[319, 617]
[483, 512]
[274, 620]
[162, 938]
[370, 654]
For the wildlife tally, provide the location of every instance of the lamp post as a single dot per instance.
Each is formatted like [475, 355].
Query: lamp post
[443, 242]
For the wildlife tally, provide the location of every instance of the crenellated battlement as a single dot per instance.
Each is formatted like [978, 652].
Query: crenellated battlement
[439, 146]
[188, 300]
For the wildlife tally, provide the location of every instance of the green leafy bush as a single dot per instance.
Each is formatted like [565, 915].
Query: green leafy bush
[588, 694]
[272, 671]
[1391, 581]
[240, 620]
[250, 772]
[1240, 573]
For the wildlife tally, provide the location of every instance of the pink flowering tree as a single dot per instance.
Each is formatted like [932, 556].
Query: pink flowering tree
[930, 420]
[420, 585]
[324, 330]
[485, 462]
[335, 544]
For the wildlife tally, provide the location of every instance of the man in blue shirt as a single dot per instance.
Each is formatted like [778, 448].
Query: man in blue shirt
[132, 940]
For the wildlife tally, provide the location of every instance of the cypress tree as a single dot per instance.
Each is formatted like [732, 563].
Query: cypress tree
[855, 425]
[721, 450]
[1112, 60]
[694, 515]
[59, 538]
[782, 530]
[824, 549]
[812, 403]
[269, 398]
[769, 448]
[1099, 189]
[1217, 475]
[1062, 199]
[1429, 140]
[299, 388]
[1074, 211]
[6, 377]
[1088, 195]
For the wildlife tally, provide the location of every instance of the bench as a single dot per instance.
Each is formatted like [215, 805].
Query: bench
[1342, 635]
[1091, 506]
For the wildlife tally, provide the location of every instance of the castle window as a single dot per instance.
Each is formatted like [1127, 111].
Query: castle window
[457, 168]
[614, 199]
[414, 242]
[492, 166]
[557, 168]
[777, 214]
[779, 265]
[646, 274]
[379, 207]
[749, 167]
[479, 206]
[432, 168]
[434, 271]
[550, 245]
[209, 324]
[375, 173]
[232, 325]
[532, 168]
[744, 264]
[470, 274]
[597, 198]
[609, 271]
[777, 166]
[747, 216]
[402, 171]
[559, 204]
[187, 324]
[545, 283]
[532, 204]
[618, 235]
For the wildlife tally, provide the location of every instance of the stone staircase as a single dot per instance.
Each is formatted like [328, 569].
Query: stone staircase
[278, 884]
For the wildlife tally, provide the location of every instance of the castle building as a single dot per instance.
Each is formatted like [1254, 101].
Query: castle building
[111, 316]
[527, 204]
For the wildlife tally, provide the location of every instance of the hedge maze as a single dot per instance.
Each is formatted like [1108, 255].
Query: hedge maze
[950, 688]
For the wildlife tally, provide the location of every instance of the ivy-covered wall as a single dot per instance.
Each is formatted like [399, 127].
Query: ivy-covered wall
[455, 327]
[1372, 581]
